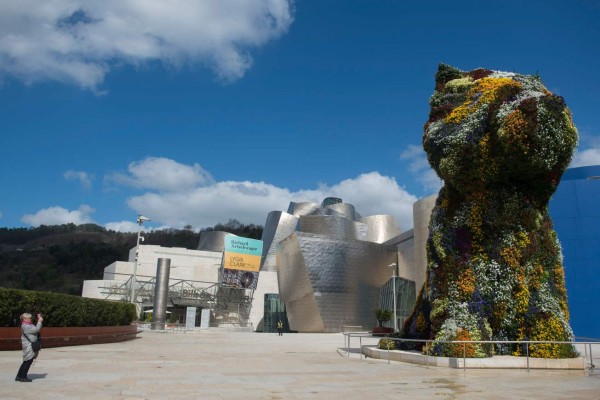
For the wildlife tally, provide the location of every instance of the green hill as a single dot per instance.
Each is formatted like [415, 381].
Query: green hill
[59, 258]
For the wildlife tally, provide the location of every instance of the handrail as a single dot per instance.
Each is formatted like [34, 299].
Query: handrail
[248, 324]
[343, 328]
[359, 335]
[586, 345]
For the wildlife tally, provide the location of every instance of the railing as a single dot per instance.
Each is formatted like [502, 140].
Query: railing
[359, 335]
[162, 326]
[351, 328]
[211, 295]
[232, 325]
[586, 344]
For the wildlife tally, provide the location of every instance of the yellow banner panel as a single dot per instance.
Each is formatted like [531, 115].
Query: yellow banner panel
[244, 262]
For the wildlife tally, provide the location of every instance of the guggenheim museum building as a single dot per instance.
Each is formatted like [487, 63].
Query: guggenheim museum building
[326, 268]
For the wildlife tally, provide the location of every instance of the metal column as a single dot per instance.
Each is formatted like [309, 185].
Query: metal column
[161, 293]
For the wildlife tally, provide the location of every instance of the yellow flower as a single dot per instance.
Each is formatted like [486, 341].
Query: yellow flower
[489, 89]
[466, 283]
[522, 298]
[547, 329]
[515, 130]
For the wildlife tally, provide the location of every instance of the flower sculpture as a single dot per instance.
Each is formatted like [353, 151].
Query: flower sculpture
[500, 142]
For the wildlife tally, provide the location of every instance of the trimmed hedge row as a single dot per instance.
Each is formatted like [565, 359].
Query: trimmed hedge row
[62, 309]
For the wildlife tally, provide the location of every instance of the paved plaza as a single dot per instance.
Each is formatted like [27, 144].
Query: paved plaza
[235, 365]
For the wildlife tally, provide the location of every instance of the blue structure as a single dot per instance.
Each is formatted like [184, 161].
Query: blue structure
[575, 212]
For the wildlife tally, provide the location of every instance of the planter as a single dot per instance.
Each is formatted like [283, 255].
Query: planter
[381, 331]
[10, 338]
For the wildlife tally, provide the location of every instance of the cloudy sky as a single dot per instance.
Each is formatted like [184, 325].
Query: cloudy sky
[194, 112]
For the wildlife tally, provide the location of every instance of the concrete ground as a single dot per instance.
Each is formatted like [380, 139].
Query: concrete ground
[235, 365]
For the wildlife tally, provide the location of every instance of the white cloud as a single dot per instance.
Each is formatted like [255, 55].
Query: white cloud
[163, 174]
[248, 202]
[370, 193]
[130, 226]
[76, 41]
[208, 203]
[83, 177]
[59, 216]
[122, 226]
[586, 157]
[420, 168]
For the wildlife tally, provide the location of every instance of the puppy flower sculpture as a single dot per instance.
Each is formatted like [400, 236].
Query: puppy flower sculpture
[500, 142]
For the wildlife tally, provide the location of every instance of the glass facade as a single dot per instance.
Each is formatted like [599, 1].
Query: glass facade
[328, 201]
[274, 312]
[405, 299]
[575, 212]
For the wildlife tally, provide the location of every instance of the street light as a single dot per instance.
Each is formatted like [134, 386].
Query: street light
[140, 220]
[393, 267]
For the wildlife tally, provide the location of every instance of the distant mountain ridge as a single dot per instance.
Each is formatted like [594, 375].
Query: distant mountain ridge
[58, 258]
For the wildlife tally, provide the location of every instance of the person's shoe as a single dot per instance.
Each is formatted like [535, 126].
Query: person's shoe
[22, 379]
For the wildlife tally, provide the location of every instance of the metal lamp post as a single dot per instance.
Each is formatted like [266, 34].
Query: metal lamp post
[140, 220]
[393, 267]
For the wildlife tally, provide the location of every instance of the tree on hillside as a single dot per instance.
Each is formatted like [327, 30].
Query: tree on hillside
[59, 258]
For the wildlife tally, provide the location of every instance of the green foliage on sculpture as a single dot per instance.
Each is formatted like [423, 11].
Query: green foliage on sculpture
[500, 142]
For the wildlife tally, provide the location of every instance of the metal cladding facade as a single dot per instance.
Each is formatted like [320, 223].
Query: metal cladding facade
[330, 263]
[380, 228]
[575, 212]
[305, 208]
[212, 240]
[279, 225]
[330, 282]
[332, 225]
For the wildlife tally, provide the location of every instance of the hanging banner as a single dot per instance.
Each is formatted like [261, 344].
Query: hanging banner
[241, 262]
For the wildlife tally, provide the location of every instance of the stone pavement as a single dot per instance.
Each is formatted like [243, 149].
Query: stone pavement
[235, 365]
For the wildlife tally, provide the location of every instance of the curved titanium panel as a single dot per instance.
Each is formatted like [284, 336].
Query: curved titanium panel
[381, 228]
[361, 231]
[343, 276]
[295, 287]
[212, 240]
[345, 209]
[328, 225]
[306, 208]
[269, 231]
[421, 216]
[279, 225]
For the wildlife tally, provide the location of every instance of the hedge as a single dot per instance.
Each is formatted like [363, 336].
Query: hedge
[61, 310]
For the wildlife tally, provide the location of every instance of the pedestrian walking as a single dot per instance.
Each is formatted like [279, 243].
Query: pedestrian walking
[280, 327]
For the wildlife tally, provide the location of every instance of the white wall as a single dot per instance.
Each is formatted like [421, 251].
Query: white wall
[267, 283]
[192, 265]
[104, 289]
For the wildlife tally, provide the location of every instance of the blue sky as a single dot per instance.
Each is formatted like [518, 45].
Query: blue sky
[196, 112]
